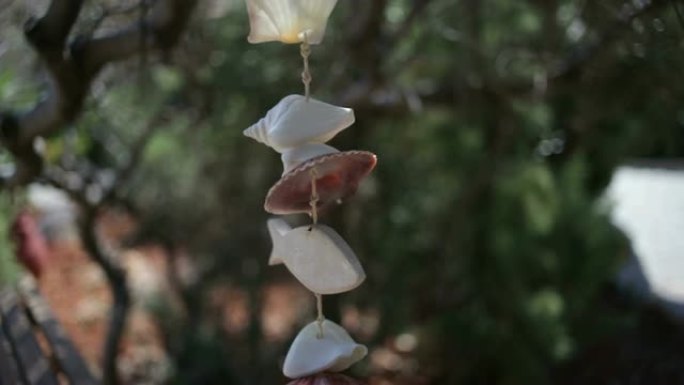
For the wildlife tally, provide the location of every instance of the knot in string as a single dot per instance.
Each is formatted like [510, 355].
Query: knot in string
[313, 203]
[305, 51]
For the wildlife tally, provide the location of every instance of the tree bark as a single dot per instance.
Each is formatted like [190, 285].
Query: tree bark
[71, 67]
[116, 278]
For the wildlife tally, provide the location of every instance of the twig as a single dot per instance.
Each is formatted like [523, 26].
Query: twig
[115, 273]
[116, 277]
[108, 12]
[70, 74]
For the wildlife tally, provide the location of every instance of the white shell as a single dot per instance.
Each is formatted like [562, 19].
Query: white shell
[294, 121]
[326, 379]
[310, 353]
[288, 20]
[294, 157]
[317, 256]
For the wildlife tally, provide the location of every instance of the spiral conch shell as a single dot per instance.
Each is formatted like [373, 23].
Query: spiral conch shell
[288, 20]
[311, 352]
[294, 121]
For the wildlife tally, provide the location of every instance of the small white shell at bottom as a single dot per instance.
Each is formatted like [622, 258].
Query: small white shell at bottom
[312, 353]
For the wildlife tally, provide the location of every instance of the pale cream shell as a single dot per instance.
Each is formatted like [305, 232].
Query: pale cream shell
[288, 20]
[310, 353]
[317, 256]
[327, 379]
[294, 121]
[292, 158]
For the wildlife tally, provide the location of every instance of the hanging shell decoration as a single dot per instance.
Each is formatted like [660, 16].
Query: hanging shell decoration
[315, 176]
[324, 347]
[288, 21]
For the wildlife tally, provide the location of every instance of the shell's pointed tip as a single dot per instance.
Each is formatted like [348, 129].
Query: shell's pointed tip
[256, 132]
[274, 261]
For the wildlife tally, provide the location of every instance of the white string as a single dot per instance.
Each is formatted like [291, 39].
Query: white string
[305, 51]
[313, 203]
[320, 318]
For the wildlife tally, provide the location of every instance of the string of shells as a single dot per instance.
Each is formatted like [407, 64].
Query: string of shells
[315, 176]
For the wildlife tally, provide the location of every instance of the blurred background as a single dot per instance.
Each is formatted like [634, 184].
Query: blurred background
[524, 225]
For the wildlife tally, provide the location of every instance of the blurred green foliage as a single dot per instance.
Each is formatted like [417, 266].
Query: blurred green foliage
[9, 268]
[497, 125]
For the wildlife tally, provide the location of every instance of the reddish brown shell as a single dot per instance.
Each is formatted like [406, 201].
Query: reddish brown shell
[326, 379]
[337, 177]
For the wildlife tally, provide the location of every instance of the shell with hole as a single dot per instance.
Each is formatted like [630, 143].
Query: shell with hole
[288, 21]
[337, 176]
[317, 256]
[294, 121]
[311, 352]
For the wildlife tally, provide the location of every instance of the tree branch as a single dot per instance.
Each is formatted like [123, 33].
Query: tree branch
[48, 34]
[114, 272]
[106, 260]
[116, 277]
[71, 72]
